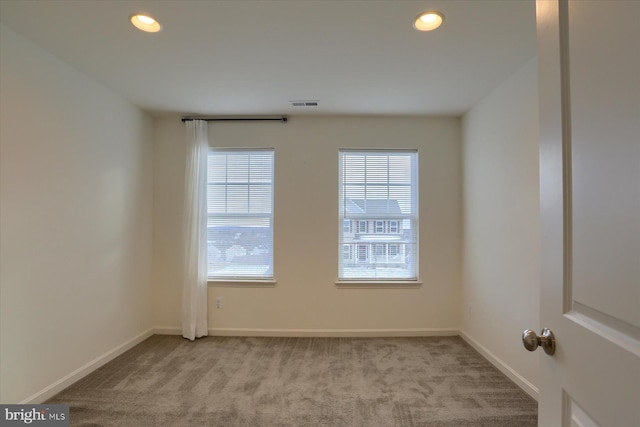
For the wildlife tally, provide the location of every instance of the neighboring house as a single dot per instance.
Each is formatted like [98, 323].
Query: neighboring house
[373, 233]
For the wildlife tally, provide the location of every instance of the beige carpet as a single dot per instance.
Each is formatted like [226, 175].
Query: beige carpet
[238, 381]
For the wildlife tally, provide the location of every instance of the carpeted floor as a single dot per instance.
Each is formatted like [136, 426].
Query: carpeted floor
[240, 381]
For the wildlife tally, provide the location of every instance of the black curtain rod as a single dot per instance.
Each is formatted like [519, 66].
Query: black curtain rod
[282, 119]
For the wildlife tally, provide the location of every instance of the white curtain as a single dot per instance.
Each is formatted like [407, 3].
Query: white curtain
[194, 231]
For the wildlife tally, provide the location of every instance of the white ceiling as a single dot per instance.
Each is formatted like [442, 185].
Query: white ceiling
[253, 57]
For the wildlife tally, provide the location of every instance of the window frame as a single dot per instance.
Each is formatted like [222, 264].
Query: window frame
[250, 279]
[405, 241]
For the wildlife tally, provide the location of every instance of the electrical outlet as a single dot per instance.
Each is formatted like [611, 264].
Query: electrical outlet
[218, 302]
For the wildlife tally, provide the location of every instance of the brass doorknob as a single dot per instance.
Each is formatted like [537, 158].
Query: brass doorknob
[546, 340]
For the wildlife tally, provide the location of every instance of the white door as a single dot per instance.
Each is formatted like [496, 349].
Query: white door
[589, 86]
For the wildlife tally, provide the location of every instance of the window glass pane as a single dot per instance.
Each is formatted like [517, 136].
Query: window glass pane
[237, 199]
[217, 169]
[237, 167]
[355, 165]
[260, 199]
[216, 198]
[240, 208]
[377, 169]
[261, 168]
[378, 190]
[398, 165]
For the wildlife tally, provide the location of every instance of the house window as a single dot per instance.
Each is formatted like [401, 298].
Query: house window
[363, 253]
[380, 188]
[240, 214]
[346, 252]
[346, 226]
[393, 250]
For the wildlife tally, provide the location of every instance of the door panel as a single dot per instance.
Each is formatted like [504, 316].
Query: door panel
[577, 417]
[605, 146]
[589, 87]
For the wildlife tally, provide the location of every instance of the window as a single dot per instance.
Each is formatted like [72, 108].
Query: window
[346, 252]
[378, 190]
[393, 250]
[346, 226]
[240, 214]
[363, 253]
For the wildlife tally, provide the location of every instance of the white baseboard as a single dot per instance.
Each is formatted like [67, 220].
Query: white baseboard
[522, 382]
[248, 332]
[85, 370]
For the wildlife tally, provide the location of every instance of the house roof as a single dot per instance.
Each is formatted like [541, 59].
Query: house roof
[372, 206]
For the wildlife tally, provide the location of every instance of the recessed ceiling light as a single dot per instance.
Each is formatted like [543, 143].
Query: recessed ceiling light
[428, 21]
[145, 23]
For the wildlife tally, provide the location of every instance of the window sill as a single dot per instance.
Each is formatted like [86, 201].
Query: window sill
[243, 283]
[386, 284]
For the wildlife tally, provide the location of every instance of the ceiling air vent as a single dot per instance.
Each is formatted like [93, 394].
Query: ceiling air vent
[304, 103]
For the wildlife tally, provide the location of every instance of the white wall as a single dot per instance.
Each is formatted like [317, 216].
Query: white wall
[305, 299]
[75, 193]
[500, 292]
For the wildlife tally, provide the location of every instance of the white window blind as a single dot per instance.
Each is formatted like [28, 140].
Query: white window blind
[240, 214]
[379, 198]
